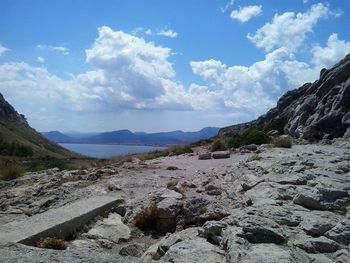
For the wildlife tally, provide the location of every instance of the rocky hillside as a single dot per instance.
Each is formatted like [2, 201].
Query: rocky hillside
[18, 139]
[319, 110]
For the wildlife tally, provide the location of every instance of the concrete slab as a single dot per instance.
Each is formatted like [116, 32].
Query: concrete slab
[59, 223]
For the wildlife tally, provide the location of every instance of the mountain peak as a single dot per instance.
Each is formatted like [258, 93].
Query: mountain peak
[8, 113]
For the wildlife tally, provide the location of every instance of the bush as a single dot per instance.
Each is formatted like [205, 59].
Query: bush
[276, 124]
[14, 149]
[181, 150]
[251, 136]
[52, 243]
[11, 172]
[218, 145]
[146, 218]
[283, 143]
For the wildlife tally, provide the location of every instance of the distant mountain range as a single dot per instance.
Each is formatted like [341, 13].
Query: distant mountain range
[128, 137]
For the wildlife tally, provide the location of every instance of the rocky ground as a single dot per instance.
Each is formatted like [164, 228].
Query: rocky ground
[262, 204]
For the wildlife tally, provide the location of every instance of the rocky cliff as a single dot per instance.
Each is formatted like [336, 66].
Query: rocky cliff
[318, 110]
[8, 113]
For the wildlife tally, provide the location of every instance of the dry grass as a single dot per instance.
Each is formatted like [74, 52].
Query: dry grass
[283, 143]
[218, 145]
[146, 218]
[52, 243]
[11, 172]
[255, 157]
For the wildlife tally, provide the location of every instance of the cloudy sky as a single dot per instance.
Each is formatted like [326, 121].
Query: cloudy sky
[162, 65]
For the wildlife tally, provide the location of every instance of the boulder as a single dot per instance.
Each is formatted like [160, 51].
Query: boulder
[212, 231]
[133, 249]
[309, 202]
[168, 208]
[221, 155]
[340, 233]
[197, 250]
[316, 224]
[204, 156]
[157, 250]
[111, 228]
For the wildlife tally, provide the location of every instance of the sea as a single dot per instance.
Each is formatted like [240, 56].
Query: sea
[108, 150]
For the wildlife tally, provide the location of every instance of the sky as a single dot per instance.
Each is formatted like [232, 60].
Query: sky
[161, 65]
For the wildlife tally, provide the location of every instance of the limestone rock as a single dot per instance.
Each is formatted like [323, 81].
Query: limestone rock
[260, 234]
[86, 244]
[133, 249]
[308, 202]
[318, 245]
[111, 228]
[340, 233]
[197, 250]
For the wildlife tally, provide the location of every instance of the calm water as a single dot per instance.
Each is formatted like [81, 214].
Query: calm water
[108, 150]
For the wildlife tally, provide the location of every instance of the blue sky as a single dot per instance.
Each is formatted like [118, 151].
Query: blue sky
[162, 65]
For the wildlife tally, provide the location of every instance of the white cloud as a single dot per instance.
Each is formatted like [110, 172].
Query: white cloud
[129, 64]
[62, 50]
[289, 29]
[3, 50]
[167, 33]
[148, 32]
[244, 14]
[326, 57]
[254, 89]
[227, 6]
[40, 59]
[129, 73]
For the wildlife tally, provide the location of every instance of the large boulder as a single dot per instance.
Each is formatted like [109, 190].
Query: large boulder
[111, 228]
[197, 250]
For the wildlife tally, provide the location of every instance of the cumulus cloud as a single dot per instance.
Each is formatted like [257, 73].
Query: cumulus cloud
[3, 50]
[167, 33]
[254, 89]
[128, 65]
[40, 59]
[62, 50]
[289, 29]
[244, 14]
[129, 73]
[326, 57]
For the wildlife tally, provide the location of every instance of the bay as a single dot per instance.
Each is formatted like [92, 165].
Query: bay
[108, 150]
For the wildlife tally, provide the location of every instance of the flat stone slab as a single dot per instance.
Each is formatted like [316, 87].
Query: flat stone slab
[60, 222]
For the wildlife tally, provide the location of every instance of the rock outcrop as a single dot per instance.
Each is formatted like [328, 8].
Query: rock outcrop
[319, 110]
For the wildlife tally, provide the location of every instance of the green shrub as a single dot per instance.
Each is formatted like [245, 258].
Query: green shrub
[276, 124]
[283, 143]
[218, 145]
[52, 243]
[14, 149]
[251, 136]
[11, 172]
